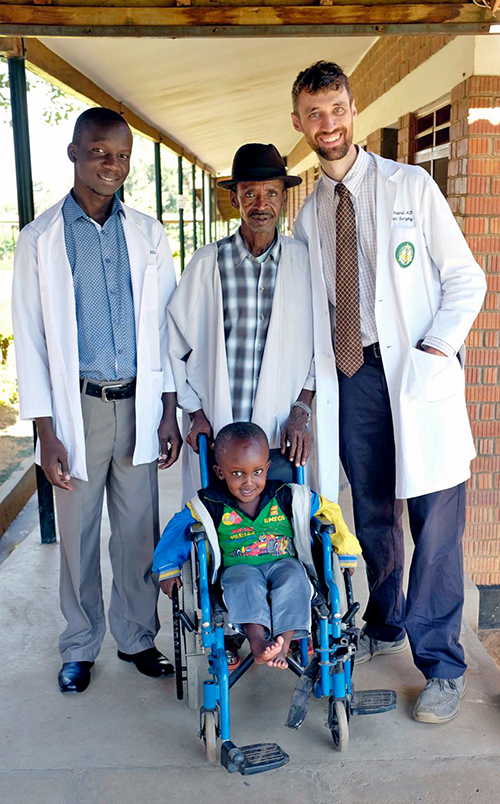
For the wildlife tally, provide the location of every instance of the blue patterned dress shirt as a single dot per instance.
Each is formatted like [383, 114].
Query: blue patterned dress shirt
[98, 257]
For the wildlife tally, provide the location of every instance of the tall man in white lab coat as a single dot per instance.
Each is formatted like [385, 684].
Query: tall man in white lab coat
[92, 281]
[395, 292]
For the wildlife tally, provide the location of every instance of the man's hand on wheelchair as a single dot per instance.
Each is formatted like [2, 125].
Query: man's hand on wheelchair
[168, 585]
[295, 437]
[199, 425]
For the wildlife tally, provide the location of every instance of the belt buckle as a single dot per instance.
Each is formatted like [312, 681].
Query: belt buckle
[105, 388]
[376, 349]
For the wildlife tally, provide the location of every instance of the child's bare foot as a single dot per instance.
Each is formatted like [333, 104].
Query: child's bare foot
[266, 651]
[263, 649]
[279, 659]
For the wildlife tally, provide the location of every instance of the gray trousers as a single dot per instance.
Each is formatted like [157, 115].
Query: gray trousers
[132, 501]
[276, 595]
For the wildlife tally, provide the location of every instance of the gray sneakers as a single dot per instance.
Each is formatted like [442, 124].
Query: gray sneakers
[368, 648]
[440, 700]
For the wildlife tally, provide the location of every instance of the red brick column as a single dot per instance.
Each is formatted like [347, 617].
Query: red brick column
[406, 138]
[474, 196]
[374, 142]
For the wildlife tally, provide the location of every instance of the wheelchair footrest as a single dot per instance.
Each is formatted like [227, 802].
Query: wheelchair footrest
[372, 702]
[250, 759]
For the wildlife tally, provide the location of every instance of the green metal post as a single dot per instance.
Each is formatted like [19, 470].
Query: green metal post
[210, 208]
[26, 208]
[195, 232]
[215, 207]
[182, 246]
[159, 201]
[203, 208]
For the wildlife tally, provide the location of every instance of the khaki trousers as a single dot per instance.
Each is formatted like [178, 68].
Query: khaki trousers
[132, 501]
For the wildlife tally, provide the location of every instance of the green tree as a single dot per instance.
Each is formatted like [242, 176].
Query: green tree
[60, 105]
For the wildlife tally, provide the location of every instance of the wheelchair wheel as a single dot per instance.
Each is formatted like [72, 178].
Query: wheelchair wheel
[177, 645]
[191, 638]
[189, 605]
[339, 725]
[210, 736]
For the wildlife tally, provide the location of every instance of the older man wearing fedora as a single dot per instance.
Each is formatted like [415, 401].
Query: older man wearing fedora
[240, 322]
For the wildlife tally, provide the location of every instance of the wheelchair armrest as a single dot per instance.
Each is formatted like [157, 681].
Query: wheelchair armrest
[197, 532]
[321, 524]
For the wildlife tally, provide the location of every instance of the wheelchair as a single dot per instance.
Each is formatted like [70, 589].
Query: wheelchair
[198, 625]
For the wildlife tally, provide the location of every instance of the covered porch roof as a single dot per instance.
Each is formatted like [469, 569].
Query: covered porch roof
[209, 95]
[205, 76]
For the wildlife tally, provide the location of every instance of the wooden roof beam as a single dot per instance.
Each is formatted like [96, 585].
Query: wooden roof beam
[11, 46]
[318, 20]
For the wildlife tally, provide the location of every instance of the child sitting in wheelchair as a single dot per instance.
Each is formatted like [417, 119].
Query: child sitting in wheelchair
[248, 520]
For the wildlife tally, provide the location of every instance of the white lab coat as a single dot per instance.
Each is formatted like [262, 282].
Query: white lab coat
[439, 294]
[45, 330]
[196, 330]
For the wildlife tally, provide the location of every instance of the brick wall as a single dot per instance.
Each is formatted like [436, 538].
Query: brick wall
[474, 196]
[374, 141]
[406, 138]
[296, 195]
[389, 61]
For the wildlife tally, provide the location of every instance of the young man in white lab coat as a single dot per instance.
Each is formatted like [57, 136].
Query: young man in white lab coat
[92, 281]
[405, 310]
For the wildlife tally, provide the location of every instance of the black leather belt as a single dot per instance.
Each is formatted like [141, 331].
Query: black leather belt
[372, 349]
[108, 393]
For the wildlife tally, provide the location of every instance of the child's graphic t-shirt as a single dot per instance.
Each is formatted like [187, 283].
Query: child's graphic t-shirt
[268, 537]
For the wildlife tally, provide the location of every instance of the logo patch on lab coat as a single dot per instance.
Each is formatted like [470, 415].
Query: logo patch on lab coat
[405, 253]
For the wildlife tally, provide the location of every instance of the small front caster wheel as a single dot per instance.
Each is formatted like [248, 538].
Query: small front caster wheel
[209, 735]
[339, 725]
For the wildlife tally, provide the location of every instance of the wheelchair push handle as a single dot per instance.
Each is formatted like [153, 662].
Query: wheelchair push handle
[203, 453]
[300, 475]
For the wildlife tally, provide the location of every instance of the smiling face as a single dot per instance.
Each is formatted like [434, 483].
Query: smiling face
[259, 204]
[325, 118]
[243, 464]
[101, 158]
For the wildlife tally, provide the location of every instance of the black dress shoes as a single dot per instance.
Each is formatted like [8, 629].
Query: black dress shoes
[74, 676]
[150, 662]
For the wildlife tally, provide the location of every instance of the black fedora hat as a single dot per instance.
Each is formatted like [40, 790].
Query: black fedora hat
[258, 162]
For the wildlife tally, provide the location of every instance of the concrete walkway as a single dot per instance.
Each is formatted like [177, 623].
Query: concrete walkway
[128, 740]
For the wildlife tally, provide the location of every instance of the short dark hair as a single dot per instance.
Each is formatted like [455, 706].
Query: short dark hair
[238, 431]
[98, 116]
[321, 76]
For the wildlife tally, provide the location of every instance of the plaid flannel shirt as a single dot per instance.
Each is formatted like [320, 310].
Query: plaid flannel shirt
[247, 293]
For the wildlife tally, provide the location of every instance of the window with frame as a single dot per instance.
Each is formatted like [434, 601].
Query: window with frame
[432, 143]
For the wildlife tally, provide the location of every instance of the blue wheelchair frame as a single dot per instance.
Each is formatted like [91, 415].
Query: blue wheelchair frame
[334, 656]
